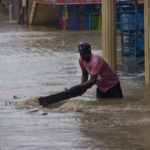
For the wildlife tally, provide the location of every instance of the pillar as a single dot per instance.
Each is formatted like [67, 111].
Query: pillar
[109, 38]
[24, 2]
[147, 40]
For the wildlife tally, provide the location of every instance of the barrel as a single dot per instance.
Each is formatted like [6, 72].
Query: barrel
[141, 21]
[130, 18]
[127, 20]
[129, 45]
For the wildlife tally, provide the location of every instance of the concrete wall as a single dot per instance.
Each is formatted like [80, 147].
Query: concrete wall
[4, 12]
[46, 14]
[15, 12]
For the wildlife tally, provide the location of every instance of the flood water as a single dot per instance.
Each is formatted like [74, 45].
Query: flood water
[39, 61]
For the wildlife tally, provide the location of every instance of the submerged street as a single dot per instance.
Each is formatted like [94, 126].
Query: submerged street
[40, 61]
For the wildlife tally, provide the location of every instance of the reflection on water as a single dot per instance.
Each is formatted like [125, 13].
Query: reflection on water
[39, 61]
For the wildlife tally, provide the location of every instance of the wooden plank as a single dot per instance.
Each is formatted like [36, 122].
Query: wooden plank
[47, 100]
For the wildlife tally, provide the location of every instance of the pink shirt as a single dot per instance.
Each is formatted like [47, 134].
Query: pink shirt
[106, 78]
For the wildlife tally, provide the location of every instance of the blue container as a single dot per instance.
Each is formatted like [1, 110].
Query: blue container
[141, 21]
[132, 19]
[127, 48]
[128, 21]
[130, 49]
[141, 45]
[73, 17]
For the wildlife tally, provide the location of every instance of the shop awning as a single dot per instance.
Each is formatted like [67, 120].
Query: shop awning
[73, 1]
[68, 1]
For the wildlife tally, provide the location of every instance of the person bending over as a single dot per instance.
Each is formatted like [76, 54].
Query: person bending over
[107, 82]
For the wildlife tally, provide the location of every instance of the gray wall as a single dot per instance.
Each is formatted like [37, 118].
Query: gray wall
[15, 12]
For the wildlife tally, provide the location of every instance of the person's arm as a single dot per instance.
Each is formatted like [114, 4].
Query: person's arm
[84, 85]
[84, 77]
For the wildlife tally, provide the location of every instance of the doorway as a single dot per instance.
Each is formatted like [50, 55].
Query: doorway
[96, 22]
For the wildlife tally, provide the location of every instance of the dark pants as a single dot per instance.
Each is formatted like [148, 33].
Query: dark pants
[114, 92]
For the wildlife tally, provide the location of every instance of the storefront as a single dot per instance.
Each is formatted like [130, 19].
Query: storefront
[80, 14]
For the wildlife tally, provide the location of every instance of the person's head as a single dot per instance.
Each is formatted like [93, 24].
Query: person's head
[85, 51]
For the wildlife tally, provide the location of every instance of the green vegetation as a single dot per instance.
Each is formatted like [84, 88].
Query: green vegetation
[12, 103]
[8, 102]
[15, 97]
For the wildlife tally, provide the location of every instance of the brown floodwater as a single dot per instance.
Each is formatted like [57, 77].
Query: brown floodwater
[39, 61]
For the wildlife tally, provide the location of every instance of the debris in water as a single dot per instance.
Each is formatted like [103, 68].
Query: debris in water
[15, 97]
[43, 114]
[34, 110]
[116, 126]
[113, 126]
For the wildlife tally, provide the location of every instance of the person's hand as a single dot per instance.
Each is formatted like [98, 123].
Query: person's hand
[73, 89]
[82, 91]
[76, 91]
[72, 92]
